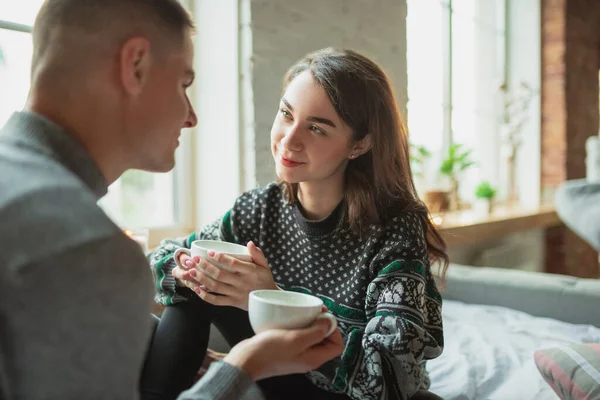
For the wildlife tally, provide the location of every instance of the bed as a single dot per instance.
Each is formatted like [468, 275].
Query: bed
[494, 320]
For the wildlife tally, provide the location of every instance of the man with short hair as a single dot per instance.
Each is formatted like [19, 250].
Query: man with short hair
[108, 94]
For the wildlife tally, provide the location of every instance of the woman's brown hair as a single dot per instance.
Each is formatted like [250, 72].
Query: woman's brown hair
[379, 183]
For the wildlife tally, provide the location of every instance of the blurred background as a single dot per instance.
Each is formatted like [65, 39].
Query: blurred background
[499, 97]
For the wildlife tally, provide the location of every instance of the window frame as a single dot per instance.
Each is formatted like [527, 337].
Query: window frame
[448, 62]
[489, 167]
[13, 26]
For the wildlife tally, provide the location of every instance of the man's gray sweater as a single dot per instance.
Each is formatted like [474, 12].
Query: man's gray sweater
[75, 292]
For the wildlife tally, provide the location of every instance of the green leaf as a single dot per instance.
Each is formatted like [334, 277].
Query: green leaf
[423, 151]
[466, 165]
[464, 156]
[447, 167]
[485, 191]
[453, 150]
[459, 159]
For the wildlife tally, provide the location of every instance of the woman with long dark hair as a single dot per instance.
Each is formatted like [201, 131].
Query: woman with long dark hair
[344, 223]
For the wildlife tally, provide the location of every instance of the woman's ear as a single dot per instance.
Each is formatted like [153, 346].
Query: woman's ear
[361, 147]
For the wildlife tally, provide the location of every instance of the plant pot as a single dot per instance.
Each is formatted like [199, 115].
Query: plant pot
[437, 201]
[483, 208]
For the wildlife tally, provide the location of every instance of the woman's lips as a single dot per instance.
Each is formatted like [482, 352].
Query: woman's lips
[289, 163]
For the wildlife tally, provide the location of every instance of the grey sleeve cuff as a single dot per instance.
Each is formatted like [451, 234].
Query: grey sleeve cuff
[223, 381]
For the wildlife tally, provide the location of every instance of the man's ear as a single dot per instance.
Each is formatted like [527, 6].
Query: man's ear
[134, 64]
[362, 146]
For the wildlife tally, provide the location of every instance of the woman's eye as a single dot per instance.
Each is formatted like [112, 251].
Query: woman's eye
[317, 130]
[286, 113]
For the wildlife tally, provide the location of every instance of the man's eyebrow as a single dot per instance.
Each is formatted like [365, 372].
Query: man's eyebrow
[313, 119]
[284, 101]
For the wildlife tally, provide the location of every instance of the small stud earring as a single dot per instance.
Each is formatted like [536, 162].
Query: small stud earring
[352, 156]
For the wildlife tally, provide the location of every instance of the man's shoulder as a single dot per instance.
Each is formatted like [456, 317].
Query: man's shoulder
[45, 211]
[26, 172]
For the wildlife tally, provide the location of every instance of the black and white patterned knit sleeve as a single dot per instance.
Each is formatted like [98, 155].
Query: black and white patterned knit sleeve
[162, 263]
[404, 321]
[239, 225]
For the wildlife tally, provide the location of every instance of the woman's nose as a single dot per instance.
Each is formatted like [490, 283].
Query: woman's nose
[291, 140]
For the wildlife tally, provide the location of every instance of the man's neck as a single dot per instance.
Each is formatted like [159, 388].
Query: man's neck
[89, 129]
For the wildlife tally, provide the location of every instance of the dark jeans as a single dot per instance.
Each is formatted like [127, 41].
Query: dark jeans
[179, 344]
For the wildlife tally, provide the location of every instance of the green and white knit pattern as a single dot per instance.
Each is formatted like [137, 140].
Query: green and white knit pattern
[379, 287]
[162, 262]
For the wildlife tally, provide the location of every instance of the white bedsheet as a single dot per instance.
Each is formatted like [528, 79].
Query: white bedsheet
[488, 352]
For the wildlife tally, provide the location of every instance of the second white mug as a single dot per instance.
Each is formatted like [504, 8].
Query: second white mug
[280, 309]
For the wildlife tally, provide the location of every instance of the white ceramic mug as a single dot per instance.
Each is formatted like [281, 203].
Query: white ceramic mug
[200, 248]
[279, 309]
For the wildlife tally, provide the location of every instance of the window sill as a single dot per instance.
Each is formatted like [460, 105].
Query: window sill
[466, 228]
[155, 235]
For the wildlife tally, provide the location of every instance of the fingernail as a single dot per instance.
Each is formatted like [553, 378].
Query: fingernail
[325, 325]
[189, 263]
[196, 259]
[193, 273]
[211, 253]
[199, 289]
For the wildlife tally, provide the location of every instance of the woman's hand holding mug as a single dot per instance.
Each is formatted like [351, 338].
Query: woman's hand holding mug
[223, 273]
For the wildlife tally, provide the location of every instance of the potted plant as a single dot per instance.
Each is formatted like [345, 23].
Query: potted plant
[485, 193]
[437, 201]
[458, 160]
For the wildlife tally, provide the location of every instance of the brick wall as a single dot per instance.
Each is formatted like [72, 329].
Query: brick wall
[554, 119]
[570, 62]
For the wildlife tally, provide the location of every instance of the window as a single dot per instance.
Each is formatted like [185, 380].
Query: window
[456, 65]
[15, 54]
[137, 200]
